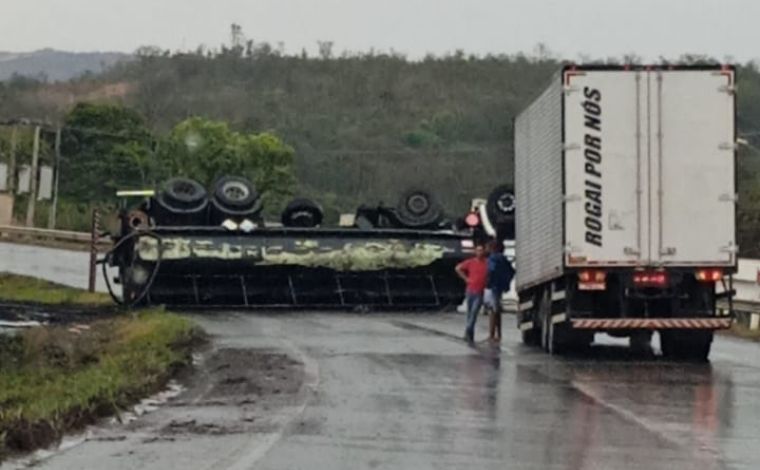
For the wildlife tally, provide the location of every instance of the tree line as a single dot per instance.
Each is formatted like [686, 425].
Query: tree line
[362, 127]
[108, 147]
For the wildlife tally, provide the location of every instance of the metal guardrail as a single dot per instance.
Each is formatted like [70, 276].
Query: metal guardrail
[47, 234]
[93, 240]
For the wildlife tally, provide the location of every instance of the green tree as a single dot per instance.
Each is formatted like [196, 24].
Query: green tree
[106, 147]
[205, 150]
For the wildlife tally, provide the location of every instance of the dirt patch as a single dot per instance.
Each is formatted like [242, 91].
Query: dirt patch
[247, 374]
[193, 427]
[246, 387]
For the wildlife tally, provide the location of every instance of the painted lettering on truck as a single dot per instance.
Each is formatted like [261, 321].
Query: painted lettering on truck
[592, 152]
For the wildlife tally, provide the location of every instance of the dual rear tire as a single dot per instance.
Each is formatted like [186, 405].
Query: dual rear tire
[559, 337]
[234, 198]
[686, 345]
[554, 337]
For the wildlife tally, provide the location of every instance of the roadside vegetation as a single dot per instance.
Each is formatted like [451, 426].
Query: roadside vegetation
[24, 289]
[61, 377]
[342, 128]
[56, 379]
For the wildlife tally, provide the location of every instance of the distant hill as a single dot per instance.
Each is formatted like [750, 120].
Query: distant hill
[56, 65]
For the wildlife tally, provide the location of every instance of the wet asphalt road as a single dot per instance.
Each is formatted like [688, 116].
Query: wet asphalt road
[403, 392]
[67, 267]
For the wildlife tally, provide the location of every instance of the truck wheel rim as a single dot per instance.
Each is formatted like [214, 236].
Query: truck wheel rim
[506, 203]
[417, 204]
[235, 191]
[185, 188]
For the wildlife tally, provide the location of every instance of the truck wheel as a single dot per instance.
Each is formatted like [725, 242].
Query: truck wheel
[641, 342]
[235, 192]
[551, 335]
[557, 341]
[179, 201]
[417, 209]
[302, 213]
[182, 193]
[501, 204]
[702, 344]
[686, 345]
[542, 313]
[531, 337]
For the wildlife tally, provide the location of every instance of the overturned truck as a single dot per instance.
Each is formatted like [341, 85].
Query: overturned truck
[182, 246]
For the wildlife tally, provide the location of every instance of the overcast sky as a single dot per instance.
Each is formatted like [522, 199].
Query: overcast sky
[597, 28]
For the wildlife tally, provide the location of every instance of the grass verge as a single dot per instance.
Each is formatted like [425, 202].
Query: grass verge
[55, 379]
[16, 288]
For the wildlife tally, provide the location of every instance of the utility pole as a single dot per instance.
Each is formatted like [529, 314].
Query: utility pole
[54, 207]
[33, 179]
[12, 163]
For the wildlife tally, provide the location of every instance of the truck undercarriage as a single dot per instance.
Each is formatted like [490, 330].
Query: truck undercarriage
[563, 315]
[305, 267]
[181, 247]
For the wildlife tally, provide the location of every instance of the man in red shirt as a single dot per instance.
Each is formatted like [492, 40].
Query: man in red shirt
[474, 272]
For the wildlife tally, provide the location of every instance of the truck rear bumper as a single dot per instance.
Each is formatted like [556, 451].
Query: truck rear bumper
[652, 323]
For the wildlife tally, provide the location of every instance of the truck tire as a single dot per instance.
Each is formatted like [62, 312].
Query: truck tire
[552, 345]
[234, 198]
[548, 332]
[182, 193]
[559, 338]
[686, 345]
[500, 206]
[302, 213]
[418, 209]
[531, 337]
[641, 342]
[179, 202]
[235, 193]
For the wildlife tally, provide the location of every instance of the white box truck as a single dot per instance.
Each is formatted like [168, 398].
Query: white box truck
[625, 182]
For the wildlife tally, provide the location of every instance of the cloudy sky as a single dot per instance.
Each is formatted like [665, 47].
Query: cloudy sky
[596, 28]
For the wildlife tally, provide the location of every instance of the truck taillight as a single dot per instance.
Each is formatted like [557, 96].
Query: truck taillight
[472, 219]
[709, 275]
[650, 279]
[592, 279]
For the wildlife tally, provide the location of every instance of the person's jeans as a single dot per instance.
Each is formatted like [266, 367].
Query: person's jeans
[474, 302]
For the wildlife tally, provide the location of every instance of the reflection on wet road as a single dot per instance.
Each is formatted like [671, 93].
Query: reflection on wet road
[402, 391]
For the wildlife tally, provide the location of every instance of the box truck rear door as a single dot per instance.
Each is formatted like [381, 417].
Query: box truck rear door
[605, 167]
[692, 149]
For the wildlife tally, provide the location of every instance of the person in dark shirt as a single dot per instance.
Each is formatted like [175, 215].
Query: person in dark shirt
[474, 272]
[500, 274]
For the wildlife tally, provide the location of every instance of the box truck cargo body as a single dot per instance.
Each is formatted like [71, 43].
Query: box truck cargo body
[626, 199]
